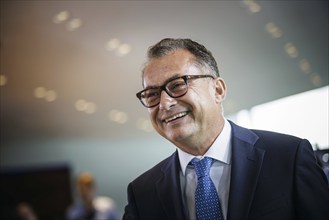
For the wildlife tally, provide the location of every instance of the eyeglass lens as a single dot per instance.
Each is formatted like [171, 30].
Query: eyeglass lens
[174, 88]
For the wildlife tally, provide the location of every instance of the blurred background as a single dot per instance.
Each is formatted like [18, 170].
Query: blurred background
[70, 70]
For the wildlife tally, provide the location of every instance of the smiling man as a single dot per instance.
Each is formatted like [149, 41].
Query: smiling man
[219, 170]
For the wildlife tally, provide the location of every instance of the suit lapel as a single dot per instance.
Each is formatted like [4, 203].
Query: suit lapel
[169, 190]
[246, 166]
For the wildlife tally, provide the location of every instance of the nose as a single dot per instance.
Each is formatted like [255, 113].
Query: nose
[166, 101]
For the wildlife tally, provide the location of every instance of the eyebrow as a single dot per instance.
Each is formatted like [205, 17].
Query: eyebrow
[169, 79]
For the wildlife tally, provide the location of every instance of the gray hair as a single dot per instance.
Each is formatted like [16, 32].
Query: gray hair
[203, 57]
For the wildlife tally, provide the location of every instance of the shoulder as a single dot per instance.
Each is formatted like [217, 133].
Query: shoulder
[103, 203]
[265, 137]
[105, 208]
[276, 136]
[75, 211]
[270, 141]
[270, 138]
[284, 147]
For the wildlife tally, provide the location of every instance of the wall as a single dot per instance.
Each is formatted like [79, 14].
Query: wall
[114, 163]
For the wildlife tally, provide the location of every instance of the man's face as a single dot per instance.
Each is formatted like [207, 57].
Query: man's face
[196, 117]
[86, 191]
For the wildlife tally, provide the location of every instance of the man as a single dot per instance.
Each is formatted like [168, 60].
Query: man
[25, 211]
[255, 174]
[91, 206]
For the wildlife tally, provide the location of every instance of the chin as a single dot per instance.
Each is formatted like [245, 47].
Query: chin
[177, 136]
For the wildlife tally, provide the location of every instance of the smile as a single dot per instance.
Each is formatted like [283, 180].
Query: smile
[179, 115]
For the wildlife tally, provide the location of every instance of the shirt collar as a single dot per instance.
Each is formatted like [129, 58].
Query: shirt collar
[220, 150]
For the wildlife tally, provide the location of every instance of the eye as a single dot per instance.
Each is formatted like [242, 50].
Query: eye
[176, 85]
[151, 93]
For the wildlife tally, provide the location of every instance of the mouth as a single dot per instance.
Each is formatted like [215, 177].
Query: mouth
[175, 117]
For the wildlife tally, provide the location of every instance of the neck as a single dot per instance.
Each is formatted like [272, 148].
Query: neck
[199, 145]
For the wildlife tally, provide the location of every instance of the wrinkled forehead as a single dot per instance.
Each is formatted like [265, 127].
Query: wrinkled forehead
[159, 70]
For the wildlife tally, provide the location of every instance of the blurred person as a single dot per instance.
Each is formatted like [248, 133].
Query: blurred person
[91, 207]
[25, 211]
[323, 159]
[219, 169]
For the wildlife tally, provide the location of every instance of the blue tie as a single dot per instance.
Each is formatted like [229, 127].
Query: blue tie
[207, 204]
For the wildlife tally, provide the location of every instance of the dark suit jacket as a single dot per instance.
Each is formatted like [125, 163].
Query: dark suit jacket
[273, 176]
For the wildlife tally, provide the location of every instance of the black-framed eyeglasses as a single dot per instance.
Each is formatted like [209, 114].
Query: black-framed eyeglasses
[175, 88]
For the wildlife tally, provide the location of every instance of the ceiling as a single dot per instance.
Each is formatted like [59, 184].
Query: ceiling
[265, 50]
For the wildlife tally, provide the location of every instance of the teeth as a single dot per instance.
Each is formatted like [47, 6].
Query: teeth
[179, 115]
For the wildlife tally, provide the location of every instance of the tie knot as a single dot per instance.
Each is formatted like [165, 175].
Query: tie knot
[202, 167]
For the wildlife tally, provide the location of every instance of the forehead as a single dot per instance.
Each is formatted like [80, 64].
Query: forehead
[177, 63]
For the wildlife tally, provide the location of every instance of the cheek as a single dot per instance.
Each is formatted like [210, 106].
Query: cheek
[202, 99]
[153, 115]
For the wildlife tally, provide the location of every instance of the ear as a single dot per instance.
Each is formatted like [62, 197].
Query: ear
[220, 89]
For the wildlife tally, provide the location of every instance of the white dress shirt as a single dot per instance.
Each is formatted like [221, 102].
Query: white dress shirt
[220, 172]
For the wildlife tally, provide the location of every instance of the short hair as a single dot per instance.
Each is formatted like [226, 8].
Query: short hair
[86, 179]
[203, 57]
